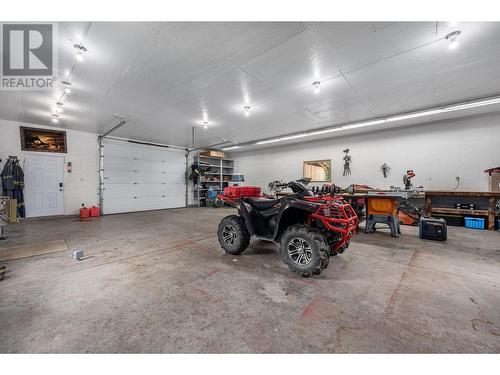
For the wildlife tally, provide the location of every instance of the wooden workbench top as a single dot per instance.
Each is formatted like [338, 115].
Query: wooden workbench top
[486, 194]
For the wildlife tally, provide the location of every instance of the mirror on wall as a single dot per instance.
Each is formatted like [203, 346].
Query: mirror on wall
[318, 170]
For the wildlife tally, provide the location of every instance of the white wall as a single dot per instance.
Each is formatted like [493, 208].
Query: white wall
[81, 186]
[437, 152]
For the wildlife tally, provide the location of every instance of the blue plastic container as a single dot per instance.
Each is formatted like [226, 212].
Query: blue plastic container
[474, 222]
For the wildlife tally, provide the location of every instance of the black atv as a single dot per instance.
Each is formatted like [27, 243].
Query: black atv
[308, 228]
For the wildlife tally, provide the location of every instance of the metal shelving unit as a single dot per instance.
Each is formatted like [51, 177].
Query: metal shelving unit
[220, 169]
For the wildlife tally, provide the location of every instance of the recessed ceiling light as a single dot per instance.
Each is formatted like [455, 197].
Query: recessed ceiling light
[79, 51]
[247, 110]
[205, 124]
[452, 37]
[55, 118]
[316, 86]
[66, 85]
[59, 104]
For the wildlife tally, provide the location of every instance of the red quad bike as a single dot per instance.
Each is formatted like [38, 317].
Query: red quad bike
[309, 229]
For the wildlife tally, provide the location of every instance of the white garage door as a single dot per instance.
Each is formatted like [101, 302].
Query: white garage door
[142, 178]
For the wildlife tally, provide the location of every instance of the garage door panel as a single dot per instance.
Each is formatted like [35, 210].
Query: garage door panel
[141, 190]
[142, 178]
[140, 152]
[121, 177]
[119, 205]
[142, 166]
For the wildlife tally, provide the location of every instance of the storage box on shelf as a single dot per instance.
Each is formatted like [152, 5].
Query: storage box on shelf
[217, 178]
[214, 154]
[447, 203]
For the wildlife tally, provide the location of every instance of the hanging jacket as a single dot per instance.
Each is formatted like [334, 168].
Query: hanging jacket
[17, 176]
[18, 182]
[7, 179]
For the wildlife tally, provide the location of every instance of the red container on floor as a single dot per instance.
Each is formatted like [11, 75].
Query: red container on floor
[242, 191]
[84, 213]
[95, 211]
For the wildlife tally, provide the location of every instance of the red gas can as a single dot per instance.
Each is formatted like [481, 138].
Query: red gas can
[84, 212]
[95, 211]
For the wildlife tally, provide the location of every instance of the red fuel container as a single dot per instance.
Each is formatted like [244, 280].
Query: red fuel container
[84, 213]
[95, 211]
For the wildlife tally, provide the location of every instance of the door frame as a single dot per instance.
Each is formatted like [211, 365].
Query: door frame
[34, 155]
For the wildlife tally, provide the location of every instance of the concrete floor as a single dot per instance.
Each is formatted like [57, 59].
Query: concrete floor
[158, 282]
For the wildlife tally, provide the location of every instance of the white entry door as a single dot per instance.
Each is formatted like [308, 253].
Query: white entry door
[43, 185]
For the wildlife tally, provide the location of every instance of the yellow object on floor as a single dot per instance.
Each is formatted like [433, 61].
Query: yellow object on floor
[33, 249]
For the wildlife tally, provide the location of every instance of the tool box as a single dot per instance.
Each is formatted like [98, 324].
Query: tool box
[433, 229]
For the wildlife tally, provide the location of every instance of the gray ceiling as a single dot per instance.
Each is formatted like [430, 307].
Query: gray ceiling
[166, 77]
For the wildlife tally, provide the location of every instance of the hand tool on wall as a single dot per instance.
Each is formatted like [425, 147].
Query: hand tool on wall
[347, 162]
[407, 179]
[385, 169]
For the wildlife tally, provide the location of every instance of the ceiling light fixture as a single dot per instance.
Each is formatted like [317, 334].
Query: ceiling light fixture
[247, 110]
[66, 85]
[79, 51]
[363, 124]
[326, 131]
[205, 124]
[316, 86]
[414, 115]
[452, 37]
[59, 104]
[55, 119]
[231, 148]
[380, 121]
[475, 104]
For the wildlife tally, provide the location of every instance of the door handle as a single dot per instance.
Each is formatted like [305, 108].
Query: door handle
[60, 186]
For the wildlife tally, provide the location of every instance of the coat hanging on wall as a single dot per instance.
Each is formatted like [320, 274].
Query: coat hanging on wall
[13, 183]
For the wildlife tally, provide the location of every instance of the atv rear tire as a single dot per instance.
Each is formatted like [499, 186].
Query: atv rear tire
[304, 250]
[233, 235]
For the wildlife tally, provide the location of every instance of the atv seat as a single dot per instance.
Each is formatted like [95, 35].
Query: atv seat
[262, 203]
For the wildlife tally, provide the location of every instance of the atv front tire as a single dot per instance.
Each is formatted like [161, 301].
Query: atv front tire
[304, 250]
[233, 235]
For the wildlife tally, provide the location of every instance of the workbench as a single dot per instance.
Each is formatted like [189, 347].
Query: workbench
[443, 202]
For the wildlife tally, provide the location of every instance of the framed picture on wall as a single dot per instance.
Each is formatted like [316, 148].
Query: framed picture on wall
[318, 170]
[43, 140]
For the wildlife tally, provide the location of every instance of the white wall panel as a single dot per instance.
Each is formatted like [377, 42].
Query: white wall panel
[82, 184]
